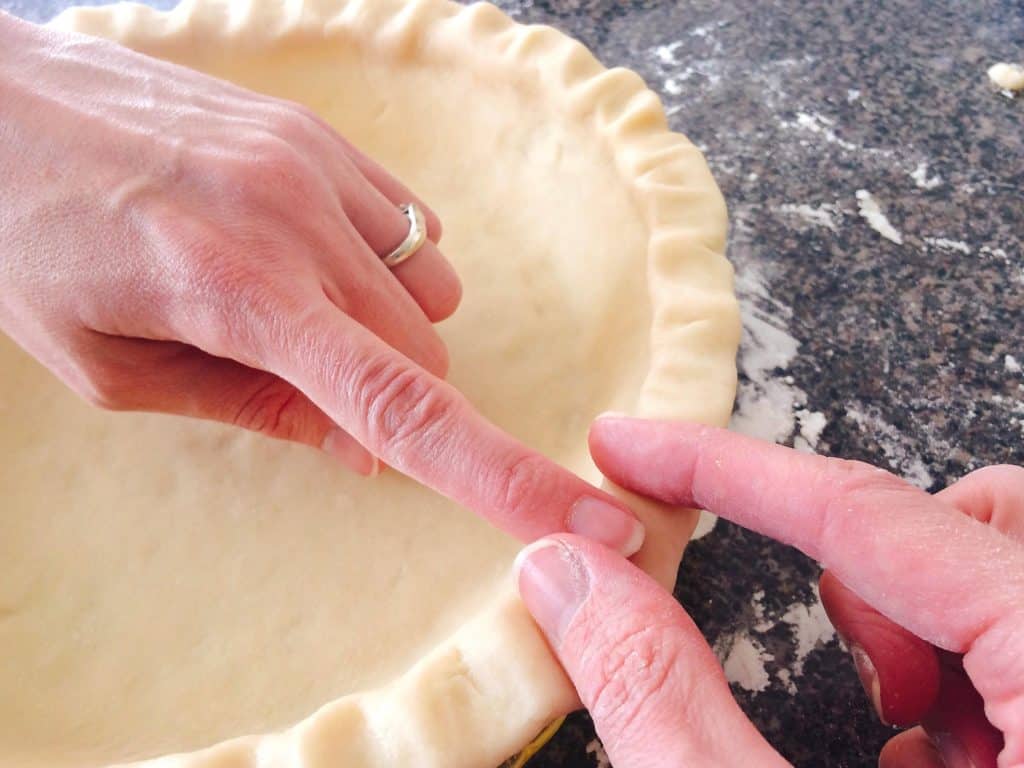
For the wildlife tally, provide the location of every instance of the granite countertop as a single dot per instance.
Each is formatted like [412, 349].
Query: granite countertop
[876, 187]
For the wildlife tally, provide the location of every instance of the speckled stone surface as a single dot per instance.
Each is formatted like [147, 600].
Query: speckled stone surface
[895, 341]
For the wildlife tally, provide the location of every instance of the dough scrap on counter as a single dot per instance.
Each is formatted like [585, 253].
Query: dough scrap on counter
[1008, 77]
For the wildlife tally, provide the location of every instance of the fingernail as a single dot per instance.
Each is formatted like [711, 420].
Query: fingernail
[553, 583]
[612, 415]
[346, 449]
[605, 523]
[952, 750]
[868, 678]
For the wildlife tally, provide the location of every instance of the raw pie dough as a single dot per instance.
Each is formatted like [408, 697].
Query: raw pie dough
[167, 585]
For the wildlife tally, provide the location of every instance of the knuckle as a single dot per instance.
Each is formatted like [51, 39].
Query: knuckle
[521, 482]
[1007, 477]
[219, 288]
[282, 171]
[401, 403]
[858, 487]
[205, 259]
[281, 165]
[855, 476]
[295, 122]
[103, 386]
[630, 675]
[268, 408]
[229, 304]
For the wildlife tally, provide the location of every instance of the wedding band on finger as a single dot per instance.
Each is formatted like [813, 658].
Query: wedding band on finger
[414, 239]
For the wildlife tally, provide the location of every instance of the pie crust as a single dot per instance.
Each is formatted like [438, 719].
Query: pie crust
[171, 584]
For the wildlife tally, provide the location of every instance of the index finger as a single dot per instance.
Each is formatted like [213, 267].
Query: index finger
[424, 427]
[946, 577]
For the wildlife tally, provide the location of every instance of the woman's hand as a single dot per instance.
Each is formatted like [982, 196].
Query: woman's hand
[927, 590]
[170, 242]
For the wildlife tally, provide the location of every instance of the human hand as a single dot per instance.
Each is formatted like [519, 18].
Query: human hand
[170, 242]
[930, 588]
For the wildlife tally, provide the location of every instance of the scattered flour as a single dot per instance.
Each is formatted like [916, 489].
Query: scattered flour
[1011, 364]
[812, 424]
[823, 215]
[822, 126]
[786, 678]
[770, 406]
[921, 178]
[596, 750]
[872, 214]
[766, 405]
[912, 467]
[744, 663]
[810, 627]
[666, 54]
[677, 74]
[744, 656]
[998, 253]
[673, 86]
[705, 29]
[945, 244]
[761, 624]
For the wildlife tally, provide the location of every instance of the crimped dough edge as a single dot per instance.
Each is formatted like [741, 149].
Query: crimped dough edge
[492, 686]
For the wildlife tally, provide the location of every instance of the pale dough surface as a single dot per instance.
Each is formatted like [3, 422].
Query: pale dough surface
[168, 584]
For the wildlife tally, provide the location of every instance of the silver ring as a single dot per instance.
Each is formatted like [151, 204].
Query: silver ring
[415, 238]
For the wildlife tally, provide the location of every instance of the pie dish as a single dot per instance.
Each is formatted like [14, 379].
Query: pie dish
[170, 587]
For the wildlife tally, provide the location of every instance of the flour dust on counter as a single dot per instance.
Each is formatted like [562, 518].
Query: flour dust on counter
[822, 215]
[922, 178]
[948, 244]
[595, 749]
[770, 404]
[744, 656]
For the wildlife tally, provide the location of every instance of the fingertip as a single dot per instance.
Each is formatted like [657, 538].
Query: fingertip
[606, 523]
[526, 552]
[431, 353]
[553, 582]
[899, 672]
[652, 458]
[447, 300]
[435, 229]
[439, 293]
[346, 449]
[910, 749]
[611, 416]
[605, 437]
[608, 423]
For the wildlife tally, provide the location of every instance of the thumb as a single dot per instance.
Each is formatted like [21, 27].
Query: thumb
[899, 671]
[641, 667]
